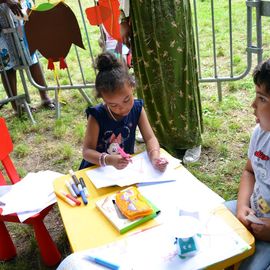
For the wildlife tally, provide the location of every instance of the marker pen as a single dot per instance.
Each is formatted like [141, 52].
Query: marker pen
[64, 198]
[103, 262]
[124, 154]
[74, 177]
[71, 197]
[82, 194]
[72, 192]
[74, 187]
[84, 187]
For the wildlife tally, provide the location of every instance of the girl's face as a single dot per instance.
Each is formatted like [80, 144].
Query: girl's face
[261, 106]
[121, 101]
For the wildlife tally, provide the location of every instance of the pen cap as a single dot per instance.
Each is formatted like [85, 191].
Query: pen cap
[82, 182]
[84, 187]
[74, 177]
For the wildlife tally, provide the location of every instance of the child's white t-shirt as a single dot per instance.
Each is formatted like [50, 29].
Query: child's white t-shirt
[259, 154]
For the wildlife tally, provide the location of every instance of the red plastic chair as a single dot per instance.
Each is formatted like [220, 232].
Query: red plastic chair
[49, 252]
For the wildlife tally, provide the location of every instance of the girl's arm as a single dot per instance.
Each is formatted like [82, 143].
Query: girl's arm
[245, 190]
[89, 147]
[151, 142]
[90, 141]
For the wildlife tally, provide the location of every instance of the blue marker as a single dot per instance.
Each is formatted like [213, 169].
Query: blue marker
[82, 194]
[103, 262]
[77, 192]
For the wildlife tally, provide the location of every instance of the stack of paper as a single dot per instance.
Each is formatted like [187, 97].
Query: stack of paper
[30, 195]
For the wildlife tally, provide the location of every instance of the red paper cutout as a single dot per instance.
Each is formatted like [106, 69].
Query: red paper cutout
[106, 13]
[50, 64]
[63, 63]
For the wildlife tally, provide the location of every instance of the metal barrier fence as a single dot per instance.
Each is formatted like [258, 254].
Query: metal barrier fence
[20, 98]
[219, 58]
[222, 63]
[79, 78]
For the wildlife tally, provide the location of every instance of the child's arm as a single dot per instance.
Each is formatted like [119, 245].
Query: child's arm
[90, 141]
[245, 190]
[151, 142]
[89, 148]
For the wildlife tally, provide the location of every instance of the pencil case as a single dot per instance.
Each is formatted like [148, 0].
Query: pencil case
[132, 204]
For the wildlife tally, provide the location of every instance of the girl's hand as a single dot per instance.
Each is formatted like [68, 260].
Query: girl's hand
[117, 161]
[160, 163]
[261, 232]
[242, 212]
[15, 7]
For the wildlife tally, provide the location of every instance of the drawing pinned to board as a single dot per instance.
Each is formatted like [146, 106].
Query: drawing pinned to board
[52, 29]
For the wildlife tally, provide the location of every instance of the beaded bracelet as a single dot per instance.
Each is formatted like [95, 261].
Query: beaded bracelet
[101, 159]
[104, 159]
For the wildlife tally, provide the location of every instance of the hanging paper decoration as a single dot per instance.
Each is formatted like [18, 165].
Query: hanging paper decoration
[51, 29]
[107, 13]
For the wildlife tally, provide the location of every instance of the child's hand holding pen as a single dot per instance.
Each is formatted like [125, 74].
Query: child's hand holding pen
[117, 161]
[124, 154]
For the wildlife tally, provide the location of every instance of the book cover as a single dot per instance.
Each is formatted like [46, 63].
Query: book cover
[111, 211]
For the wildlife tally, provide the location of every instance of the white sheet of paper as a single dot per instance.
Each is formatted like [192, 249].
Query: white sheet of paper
[155, 249]
[139, 171]
[27, 214]
[5, 189]
[30, 195]
[186, 193]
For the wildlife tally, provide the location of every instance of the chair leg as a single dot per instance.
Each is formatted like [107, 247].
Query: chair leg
[7, 248]
[48, 250]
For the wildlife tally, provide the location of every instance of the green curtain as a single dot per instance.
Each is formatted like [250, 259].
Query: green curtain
[165, 69]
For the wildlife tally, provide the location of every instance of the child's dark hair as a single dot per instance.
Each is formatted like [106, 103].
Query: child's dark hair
[112, 74]
[261, 75]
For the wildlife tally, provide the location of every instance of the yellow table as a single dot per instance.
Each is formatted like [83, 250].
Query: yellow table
[86, 227]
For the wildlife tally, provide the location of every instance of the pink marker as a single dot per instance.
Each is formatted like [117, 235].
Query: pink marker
[124, 154]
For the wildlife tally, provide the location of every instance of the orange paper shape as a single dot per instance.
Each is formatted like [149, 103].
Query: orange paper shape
[106, 13]
[52, 33]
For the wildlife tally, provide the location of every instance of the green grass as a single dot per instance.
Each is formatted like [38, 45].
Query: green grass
[21, 150]
[56, 144]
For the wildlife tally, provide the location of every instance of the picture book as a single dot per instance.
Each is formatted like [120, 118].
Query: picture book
[111, 211]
